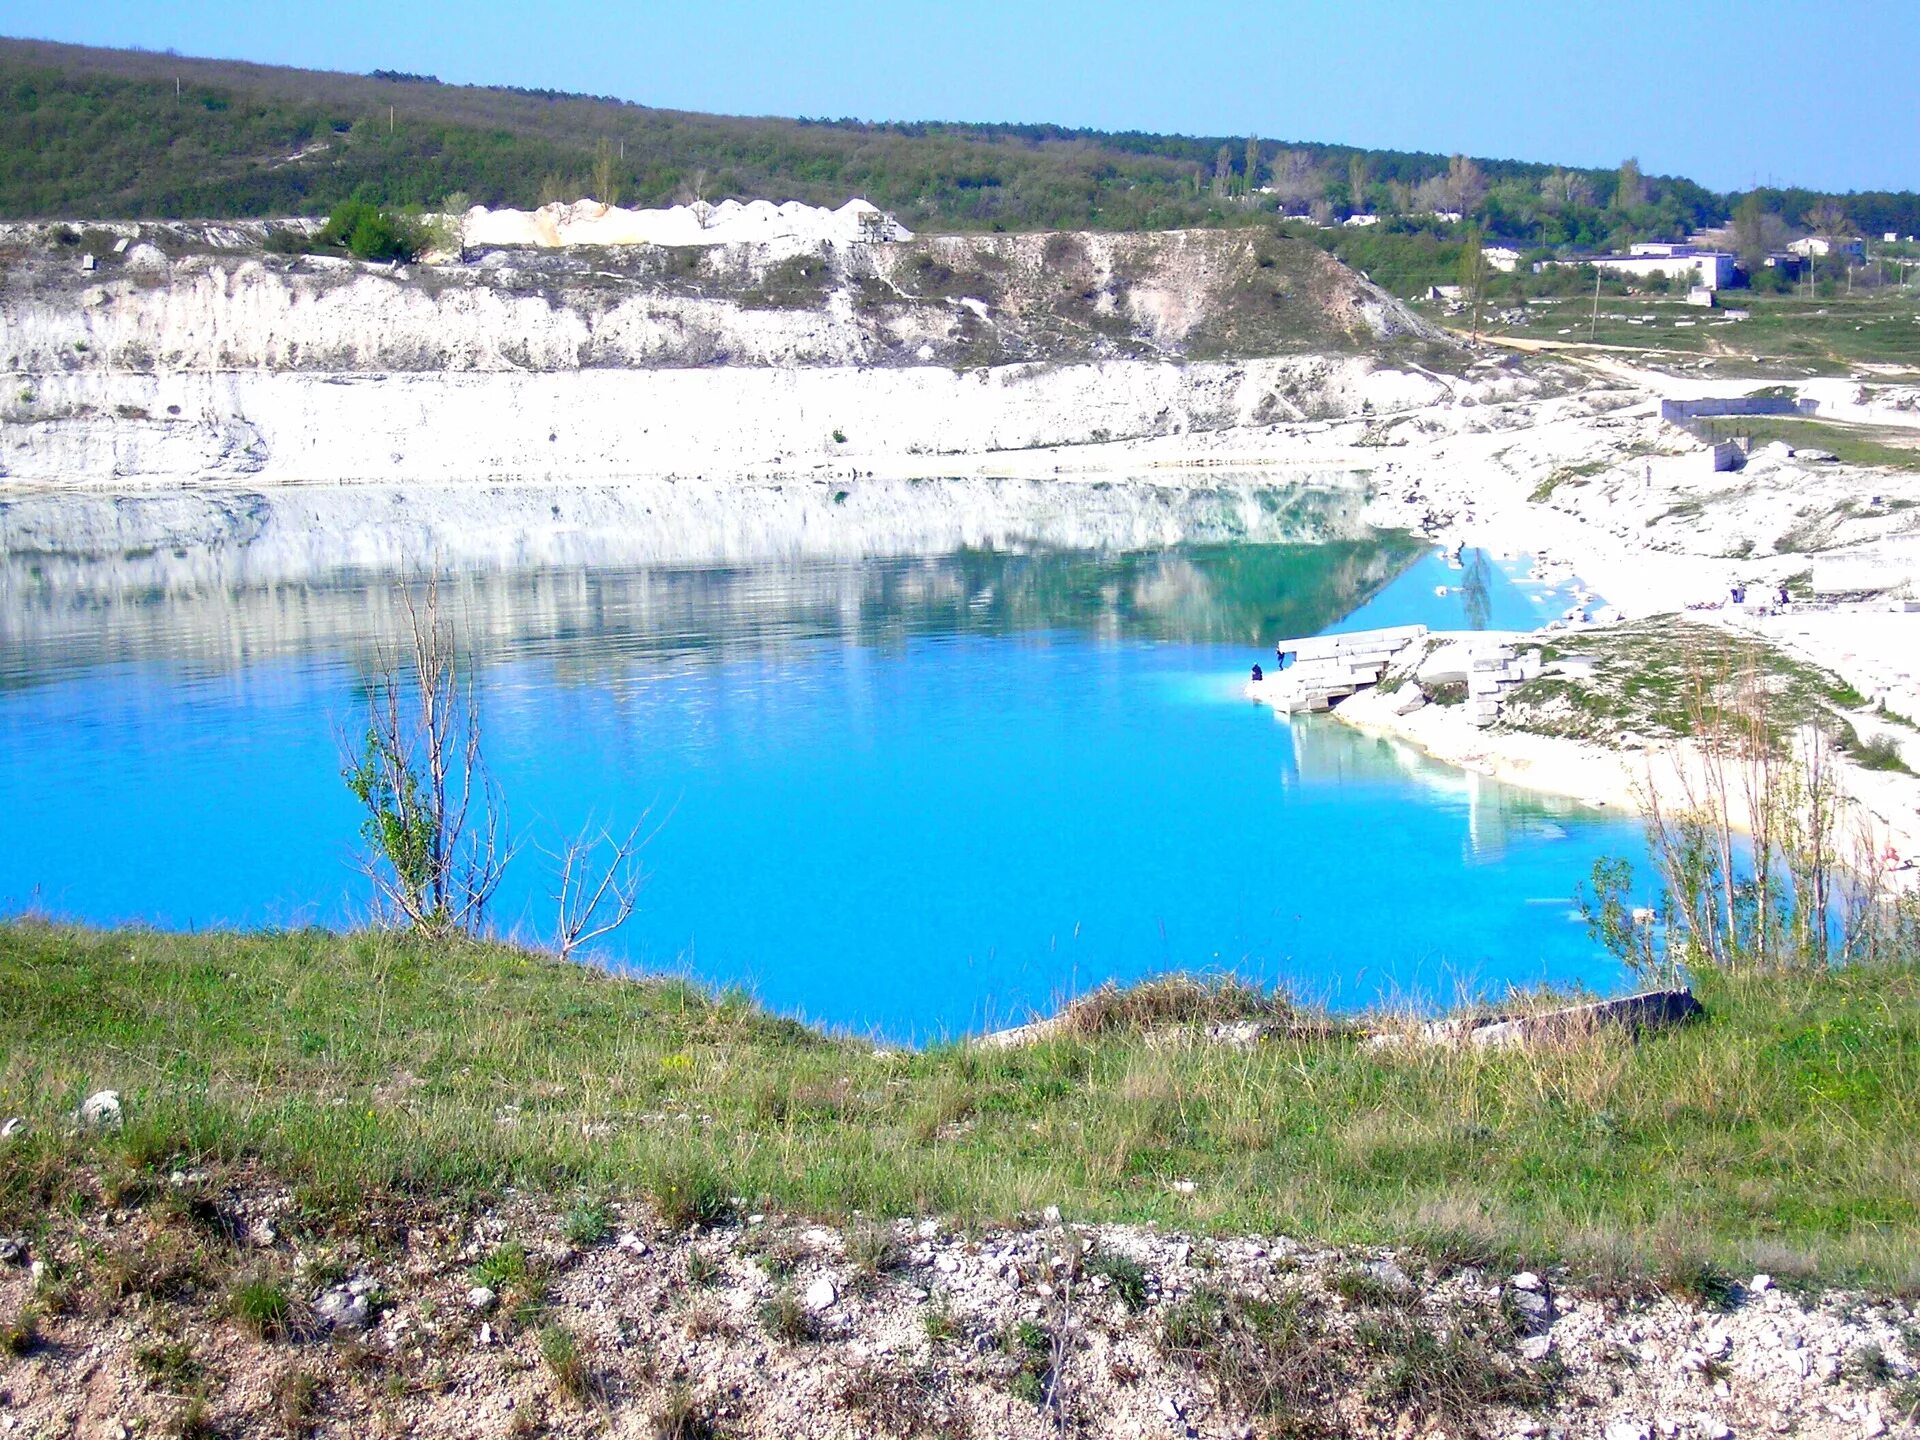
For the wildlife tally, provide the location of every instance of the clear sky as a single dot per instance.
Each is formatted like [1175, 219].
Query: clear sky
[1729, 92]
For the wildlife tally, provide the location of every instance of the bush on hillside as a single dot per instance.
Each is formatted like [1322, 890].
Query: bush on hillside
[367, 232]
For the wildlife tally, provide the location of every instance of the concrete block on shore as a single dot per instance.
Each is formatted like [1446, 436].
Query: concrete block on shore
[1630, 1015]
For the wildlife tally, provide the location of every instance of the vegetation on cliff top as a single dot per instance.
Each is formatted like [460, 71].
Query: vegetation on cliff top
[106, 132]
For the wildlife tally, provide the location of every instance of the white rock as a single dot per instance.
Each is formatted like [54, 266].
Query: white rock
[1536, 1347]
[481, 1299]
[13, 1127]
[1761, 1284]
[1628, 1430]
[341, 1309]
[633, 1244]
[101, 1110]
[1717, 1430]
[1526, 1280]
[1051, 1214]
[821, 1295]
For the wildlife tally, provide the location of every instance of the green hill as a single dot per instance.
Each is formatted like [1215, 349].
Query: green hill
[136, 134]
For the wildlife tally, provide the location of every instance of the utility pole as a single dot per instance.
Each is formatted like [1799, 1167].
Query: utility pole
[1593, 326]
[389, 120]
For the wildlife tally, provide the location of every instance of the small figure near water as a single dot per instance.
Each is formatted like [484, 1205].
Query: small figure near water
[1258, 674]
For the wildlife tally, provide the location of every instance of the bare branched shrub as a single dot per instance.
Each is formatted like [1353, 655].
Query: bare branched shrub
[1760, 865]
[597, 879]
[436, 833]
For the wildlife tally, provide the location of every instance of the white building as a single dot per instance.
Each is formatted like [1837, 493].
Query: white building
[1819, 245]
[1501, 257]
[1703, 269]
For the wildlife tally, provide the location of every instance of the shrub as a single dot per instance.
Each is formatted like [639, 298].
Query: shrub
[562, 1354]
[689, 1192]
[169, 1365]
[873, 1250]
[1127, 1277]
[369, 233]
[681, 1418]
[1882, 752]
[785, 1318]
[1170, 1000]
[261, 1306]
[19, 1335]
[296, 1394]
[502, 1268]
[588, 1223]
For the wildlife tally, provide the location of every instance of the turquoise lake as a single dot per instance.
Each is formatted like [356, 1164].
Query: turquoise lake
[906, 797]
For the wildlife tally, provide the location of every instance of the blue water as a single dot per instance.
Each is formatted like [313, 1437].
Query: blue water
[908, 797]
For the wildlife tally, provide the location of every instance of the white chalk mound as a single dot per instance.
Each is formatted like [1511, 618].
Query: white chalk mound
[588, 222]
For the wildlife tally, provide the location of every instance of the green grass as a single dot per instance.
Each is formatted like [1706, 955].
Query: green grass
[261, 1306]
[1783, 335]
[565, 1363]
[1776, 1134]
[1647, 677]
[1852, 444]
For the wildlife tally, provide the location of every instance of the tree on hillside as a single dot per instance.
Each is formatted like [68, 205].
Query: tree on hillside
[1223, 173]
[1357, 183]
[1252, 182]
[1296, 182]
[1473, 275]
[1566, 189]
[1461, 189]
[1630, 189]
[1830, 222]
[606, 173]
[1755, 233]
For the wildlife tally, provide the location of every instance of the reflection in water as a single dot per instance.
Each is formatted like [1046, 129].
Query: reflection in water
[645, 619]
[1327, 752]
[1476, 590]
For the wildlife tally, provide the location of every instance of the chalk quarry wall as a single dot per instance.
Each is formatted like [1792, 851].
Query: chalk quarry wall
[265, 427]
[165, 363]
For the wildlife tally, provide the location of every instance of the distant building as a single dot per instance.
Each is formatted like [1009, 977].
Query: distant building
[1375, 220]
[1501, 257]
[1698, 269]
[1819, 245]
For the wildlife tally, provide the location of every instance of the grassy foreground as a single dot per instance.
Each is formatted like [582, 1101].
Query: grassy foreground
[1777, 1134]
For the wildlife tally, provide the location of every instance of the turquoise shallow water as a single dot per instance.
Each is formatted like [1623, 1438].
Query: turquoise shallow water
[913, 797]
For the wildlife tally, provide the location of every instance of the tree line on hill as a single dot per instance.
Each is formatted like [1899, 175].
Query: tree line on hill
[134, 134]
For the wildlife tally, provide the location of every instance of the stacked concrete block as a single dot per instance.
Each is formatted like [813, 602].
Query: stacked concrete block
[1326, 668]
[1491, 674]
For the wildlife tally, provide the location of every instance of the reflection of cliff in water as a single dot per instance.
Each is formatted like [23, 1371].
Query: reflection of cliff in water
[1326, 752]
[642, 618]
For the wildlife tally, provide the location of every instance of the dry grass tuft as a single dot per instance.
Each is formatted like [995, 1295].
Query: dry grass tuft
[1170, 1000]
